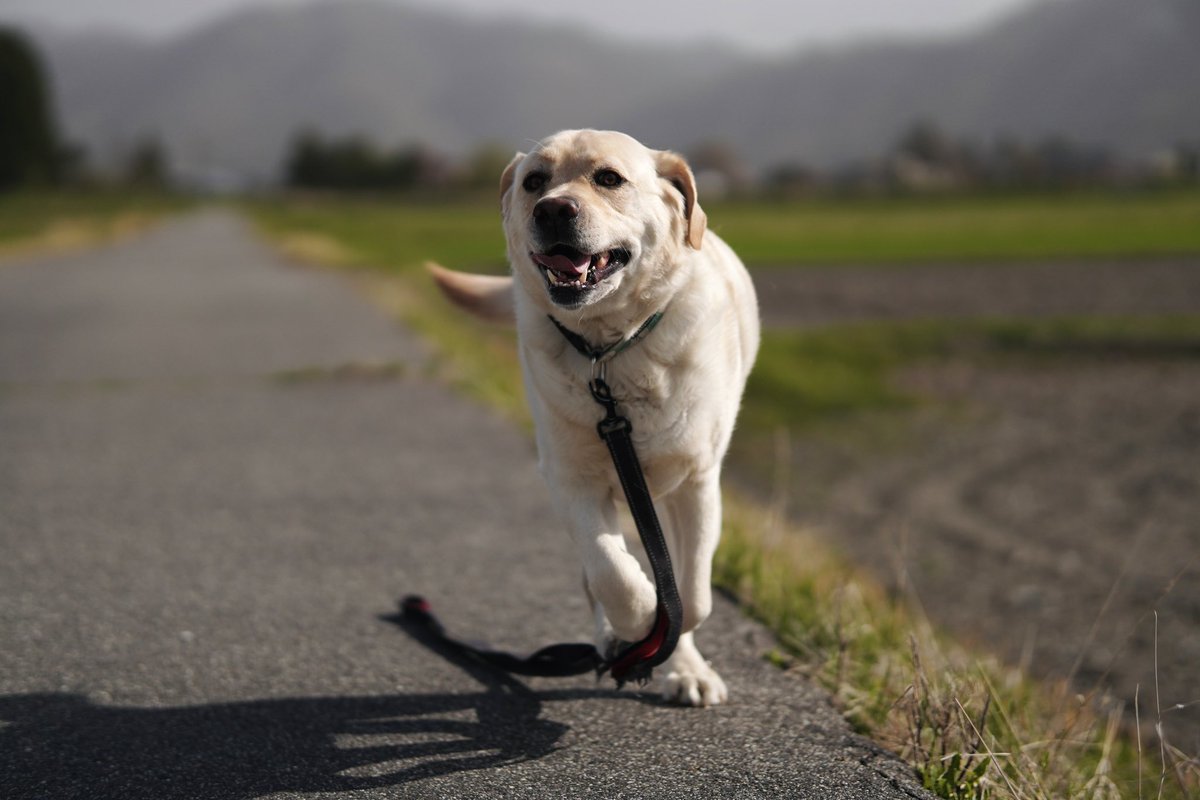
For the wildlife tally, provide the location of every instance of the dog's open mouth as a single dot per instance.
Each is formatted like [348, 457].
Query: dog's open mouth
[569, 271]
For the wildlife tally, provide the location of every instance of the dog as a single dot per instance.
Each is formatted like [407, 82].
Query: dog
[603, 233]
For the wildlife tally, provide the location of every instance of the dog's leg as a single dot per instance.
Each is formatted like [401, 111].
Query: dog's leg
[693, 527]
[604, 631]
[613, 578]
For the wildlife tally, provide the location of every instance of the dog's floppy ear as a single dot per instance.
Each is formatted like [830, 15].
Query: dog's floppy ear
[674, 168]
[506, 180]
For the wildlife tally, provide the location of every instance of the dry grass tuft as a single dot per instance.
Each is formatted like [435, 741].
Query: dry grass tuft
[971, 727]
[72, 234]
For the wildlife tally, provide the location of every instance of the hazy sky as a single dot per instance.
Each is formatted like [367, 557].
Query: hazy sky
[757, 24]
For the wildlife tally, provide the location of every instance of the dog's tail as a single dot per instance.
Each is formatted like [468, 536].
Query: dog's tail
[489, 297]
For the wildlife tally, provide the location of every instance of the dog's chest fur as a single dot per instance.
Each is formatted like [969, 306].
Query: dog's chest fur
[657, 386]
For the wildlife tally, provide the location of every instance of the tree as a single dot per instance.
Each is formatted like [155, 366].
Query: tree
[147, 165]
[28, 144]
[926, 142]
[354, 164]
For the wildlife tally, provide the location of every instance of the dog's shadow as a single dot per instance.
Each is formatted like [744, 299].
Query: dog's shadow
[56, 746]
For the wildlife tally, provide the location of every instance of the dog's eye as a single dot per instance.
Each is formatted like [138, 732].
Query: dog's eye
[534, 182]
[608, 179]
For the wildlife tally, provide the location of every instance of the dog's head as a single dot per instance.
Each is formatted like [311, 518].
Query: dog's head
[594, 217]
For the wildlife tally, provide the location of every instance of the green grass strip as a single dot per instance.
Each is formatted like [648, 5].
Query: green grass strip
[1000, 228]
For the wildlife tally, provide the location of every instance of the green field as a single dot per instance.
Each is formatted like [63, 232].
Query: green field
[401, 234]
[999, 228]
[396, 236]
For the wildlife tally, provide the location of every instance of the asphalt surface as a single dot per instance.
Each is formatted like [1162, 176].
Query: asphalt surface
[217, 473]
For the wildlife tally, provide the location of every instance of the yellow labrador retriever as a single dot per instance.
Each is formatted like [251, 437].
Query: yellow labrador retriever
[603, 233]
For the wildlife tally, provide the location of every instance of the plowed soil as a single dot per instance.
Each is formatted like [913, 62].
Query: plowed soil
[1049, 511]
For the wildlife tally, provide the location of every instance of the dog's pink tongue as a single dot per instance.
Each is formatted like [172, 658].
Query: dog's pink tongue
[564, 264]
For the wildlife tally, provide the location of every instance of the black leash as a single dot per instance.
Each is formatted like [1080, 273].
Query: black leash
[634, 661]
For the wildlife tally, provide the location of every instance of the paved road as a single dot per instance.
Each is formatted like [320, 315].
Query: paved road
[204, 515]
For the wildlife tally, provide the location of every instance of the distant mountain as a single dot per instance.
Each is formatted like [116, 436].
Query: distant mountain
[235, 93]
[1113, 73]
[1110, 72]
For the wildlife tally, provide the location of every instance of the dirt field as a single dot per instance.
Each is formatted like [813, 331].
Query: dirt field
[806, 296]
[1046, 511]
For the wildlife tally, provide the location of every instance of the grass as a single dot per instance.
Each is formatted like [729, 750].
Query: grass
[870, 653]
[399, 235]
[45, 220]
[807, 378]
[396, 236]
[984, 228]
[970, 727]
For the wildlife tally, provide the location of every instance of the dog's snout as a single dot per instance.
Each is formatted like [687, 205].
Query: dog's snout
[551, 209]
[554, 218]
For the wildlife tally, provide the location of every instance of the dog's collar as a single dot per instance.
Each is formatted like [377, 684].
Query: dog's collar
[601, 355]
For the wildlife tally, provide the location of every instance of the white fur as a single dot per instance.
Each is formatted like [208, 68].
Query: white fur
[680, 386]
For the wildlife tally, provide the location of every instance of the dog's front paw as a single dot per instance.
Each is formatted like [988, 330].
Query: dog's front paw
[691, 681]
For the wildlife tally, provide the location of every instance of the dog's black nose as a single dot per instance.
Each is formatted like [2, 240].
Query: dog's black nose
[555, 218]
[550, 209]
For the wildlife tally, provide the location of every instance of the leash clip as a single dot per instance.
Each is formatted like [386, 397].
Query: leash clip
[602, 394]
[599, 388]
